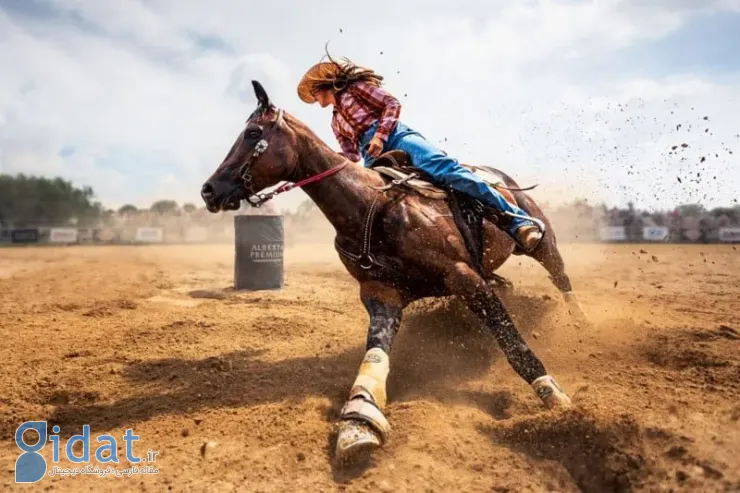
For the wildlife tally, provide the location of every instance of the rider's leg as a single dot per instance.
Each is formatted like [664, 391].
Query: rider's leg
[448, 172]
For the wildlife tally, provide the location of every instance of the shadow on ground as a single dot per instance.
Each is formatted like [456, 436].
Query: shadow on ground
[597, 456]
[440, 344]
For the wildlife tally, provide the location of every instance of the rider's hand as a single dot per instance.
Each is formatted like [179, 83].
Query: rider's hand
[375, 147]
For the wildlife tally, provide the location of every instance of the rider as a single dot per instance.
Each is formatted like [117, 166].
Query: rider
[365, 117]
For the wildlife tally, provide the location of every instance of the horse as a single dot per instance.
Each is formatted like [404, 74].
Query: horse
[398, 245]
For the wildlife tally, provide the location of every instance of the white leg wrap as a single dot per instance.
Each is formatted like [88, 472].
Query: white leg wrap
[367, 414]
[371, 378]
[571, 299]
[550, 393]
[575, 305]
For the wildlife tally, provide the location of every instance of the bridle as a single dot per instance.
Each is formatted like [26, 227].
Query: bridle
[256, 199]
[245, 170]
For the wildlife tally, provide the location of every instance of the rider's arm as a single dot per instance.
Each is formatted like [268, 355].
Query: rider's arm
[349, 147]
[383, 100]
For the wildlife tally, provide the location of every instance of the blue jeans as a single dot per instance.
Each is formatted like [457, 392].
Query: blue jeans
[444, 170]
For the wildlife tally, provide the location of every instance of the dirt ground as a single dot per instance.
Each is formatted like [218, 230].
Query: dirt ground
[237, 391]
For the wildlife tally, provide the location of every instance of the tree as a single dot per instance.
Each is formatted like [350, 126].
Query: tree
[127, 210]
[722, 211]
[691, 210]
[164, 207]
[189, 208]
[37, 201]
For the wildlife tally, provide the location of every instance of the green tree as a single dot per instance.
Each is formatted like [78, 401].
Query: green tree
[127, 210]
[164, 207]
[691, 209]
[37, 201]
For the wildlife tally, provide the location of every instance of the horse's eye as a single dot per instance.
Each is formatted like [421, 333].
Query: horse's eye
[253, 134]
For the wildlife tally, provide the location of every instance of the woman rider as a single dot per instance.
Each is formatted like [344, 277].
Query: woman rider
[365, 123]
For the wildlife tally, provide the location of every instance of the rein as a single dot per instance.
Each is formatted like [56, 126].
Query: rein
[257, 199]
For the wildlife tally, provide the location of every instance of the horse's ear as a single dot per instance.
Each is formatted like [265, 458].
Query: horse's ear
[262, 97]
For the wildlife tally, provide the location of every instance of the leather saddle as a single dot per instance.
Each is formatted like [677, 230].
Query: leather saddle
[397, 166]
[468, 213]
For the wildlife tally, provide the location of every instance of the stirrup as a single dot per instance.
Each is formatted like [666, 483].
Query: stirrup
[537, 223]
[395, 183]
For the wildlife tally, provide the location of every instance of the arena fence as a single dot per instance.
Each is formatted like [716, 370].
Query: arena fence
[621, 234]
[224, 234]
[111, 236]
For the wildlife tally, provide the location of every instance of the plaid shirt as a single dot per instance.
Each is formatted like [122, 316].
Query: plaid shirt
[357, 108]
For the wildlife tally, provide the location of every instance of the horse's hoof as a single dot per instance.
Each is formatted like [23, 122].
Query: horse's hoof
[355, 442]
[576, 309]
[551, 394]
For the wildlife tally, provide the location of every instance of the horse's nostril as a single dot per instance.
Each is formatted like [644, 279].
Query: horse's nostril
[207, 191]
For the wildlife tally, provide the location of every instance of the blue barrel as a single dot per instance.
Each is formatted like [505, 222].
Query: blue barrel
[260, 241]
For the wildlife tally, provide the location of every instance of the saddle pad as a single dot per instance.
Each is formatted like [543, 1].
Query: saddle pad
[427, 189]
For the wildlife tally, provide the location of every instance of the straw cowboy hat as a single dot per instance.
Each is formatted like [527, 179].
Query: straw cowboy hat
[333, 73]
[321, 72]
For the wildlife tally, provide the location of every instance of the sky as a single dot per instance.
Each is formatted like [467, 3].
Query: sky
[141, 99]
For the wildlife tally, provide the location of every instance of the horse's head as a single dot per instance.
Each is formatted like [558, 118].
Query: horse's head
[262, 156]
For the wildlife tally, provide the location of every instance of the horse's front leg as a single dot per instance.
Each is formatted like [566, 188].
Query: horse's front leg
[362, 426]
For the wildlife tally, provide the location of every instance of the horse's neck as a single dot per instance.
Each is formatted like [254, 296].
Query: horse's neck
[343, 197]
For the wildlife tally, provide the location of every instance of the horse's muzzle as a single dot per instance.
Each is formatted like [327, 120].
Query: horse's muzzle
[206, 191]
[217, 200]
[208, 194]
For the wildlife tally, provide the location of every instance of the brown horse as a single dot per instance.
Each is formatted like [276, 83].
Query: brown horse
[399, 245]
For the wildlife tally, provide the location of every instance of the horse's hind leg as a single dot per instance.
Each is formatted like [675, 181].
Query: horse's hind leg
[464, 282]
[548, 255]
[362, 426]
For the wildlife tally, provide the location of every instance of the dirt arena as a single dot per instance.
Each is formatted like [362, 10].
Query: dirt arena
[238, 391]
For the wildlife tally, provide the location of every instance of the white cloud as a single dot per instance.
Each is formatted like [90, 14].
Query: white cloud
[150, 112]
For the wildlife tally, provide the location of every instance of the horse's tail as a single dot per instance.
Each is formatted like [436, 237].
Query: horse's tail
[517, 189]
[525, 201]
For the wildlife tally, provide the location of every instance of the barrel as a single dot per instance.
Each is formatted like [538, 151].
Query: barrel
[258, 261]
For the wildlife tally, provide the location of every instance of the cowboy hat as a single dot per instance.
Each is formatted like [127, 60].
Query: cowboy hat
[321, 72]
[337, 75]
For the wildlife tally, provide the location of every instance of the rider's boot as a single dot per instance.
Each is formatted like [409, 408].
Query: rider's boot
[529, 236]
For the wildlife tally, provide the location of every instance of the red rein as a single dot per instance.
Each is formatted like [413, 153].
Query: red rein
[301, 183]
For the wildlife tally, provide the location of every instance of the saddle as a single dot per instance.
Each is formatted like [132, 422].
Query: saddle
[468, 213]
[397, 166]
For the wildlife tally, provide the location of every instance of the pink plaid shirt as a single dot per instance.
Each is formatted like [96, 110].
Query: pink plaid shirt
[357, 108]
